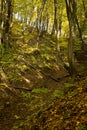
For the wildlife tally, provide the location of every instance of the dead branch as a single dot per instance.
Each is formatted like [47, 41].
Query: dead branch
[23, 88]
[49, 76]
[5, 81]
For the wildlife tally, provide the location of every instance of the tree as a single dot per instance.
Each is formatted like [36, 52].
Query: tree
[85, 9]
[70, 15]
[5, 22]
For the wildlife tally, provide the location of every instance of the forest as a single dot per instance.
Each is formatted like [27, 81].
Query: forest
[43, 64]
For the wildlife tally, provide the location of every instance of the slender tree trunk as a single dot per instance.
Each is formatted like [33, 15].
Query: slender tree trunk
[85, 10]
[84, 26]
[74, 12]
[71, 37]
[56, 26]
[6, 19]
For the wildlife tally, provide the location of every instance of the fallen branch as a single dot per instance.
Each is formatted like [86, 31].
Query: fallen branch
[55, 79]
[49, 76]
[23, 88]
[5, 81]
[25, 79]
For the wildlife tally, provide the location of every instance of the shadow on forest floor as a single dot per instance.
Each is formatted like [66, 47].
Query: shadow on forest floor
[34, 94]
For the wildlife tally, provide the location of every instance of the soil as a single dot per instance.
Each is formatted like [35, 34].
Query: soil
[14, 109]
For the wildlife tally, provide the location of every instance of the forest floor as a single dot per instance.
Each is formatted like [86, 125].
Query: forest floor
[37, 93]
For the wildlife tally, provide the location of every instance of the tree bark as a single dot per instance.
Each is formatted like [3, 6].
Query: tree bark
[56, 28]
[6, 19]
[85, 10]
[71, 37]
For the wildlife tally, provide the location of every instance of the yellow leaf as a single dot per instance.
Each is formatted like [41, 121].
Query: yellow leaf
[77, 123]
[16, 116]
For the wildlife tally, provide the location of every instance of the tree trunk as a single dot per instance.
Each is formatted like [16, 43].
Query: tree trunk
[85, 10]
[71, 37]
[56, 26]
[6, 19]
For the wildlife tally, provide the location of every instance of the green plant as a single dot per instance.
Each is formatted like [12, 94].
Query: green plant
[40, 90]
[68, 85]
[82, 127]
[58, 93]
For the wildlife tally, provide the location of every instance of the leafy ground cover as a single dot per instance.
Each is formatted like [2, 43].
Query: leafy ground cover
[34, 96]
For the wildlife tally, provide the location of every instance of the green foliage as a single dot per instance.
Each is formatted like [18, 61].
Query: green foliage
[1, 50]
[70, 88]
[68, 85]
[40, 90]
[82, 127]
[26, 95]
[8, 57]
[58, 93]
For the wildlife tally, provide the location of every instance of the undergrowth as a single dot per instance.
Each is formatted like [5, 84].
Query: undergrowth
[44, 104]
